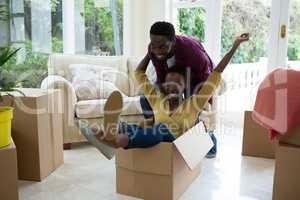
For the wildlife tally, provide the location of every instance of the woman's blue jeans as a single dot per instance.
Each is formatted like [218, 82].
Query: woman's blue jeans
[146, 137]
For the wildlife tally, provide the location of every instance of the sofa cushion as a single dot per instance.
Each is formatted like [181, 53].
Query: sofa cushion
[88, 71]
[59, 65]
[93, 89]
[93, 82]
[94, 108]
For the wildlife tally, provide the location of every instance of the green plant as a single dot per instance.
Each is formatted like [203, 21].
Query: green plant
[33, 70]
[191, 22]
[8, 80]
[99, 27]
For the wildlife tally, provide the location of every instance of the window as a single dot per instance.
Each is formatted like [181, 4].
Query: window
[191, 21]
[294, 35]
[40, 28]
[189, 18]
[247, 16]
[104, 27]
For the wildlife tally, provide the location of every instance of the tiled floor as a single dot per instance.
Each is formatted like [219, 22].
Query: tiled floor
[88, 175]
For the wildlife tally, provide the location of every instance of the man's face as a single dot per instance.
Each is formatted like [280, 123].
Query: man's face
[161, 46]
[174, 85]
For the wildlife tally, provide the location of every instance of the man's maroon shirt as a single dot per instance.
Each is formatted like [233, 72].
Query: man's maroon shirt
[188, 53]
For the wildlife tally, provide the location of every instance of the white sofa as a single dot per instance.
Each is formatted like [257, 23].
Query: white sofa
[60, 77]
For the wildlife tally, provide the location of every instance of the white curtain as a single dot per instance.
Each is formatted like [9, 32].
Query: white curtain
[4, 25]
[41, 26]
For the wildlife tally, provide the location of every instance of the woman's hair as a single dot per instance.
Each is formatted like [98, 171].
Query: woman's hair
[179, 70]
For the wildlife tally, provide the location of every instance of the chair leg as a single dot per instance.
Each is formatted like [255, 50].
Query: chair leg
[68, 146]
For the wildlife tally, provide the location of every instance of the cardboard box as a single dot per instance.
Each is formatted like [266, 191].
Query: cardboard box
[256, 141]
[38, 133]
[292, 137]
[8, 173]
[287, 173]
[164, 171]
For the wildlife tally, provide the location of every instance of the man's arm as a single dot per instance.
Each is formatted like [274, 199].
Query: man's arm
[141, 77]
[143, 65]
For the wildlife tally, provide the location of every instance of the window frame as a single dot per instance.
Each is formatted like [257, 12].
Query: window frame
[212, 41]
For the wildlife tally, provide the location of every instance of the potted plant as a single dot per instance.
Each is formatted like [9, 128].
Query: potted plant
[8, 82]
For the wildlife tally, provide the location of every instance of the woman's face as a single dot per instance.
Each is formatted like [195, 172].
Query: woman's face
[174, 85]
[161, 46]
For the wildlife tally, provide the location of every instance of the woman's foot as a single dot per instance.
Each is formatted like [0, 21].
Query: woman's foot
[93, 135]
[112, 111]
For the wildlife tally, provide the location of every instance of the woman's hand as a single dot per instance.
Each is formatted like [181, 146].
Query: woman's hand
[224, 62]
[242, 38]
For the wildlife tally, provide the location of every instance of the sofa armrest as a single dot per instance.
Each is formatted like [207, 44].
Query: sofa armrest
[59, 82]
[69, 98]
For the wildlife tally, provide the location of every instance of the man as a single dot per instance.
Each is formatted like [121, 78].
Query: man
[168, 50]
[173, 114]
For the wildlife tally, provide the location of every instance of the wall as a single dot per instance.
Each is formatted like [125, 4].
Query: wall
[139, 15]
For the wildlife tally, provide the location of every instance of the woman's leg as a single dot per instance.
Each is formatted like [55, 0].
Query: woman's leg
[134, 136]
[112, 110]
[94, 136]
[146, 108]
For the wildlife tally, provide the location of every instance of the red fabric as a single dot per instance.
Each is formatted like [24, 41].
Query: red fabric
[277, 105]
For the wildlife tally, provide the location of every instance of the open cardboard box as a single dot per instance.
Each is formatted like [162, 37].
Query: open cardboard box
[164, 171]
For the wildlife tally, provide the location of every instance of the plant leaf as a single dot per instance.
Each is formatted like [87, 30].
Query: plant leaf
[4, 57]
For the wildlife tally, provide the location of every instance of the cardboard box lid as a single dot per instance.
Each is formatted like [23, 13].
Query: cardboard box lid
[10, 147]
[193, 145]
[31, 92]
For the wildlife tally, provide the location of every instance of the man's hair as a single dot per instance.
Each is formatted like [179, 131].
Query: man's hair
[164, 29]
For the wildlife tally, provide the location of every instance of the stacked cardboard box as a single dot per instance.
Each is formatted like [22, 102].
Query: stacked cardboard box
[256, 141]
[293, 137]
[287, 167]
[165, 171]
[8, 173]
[37, 132]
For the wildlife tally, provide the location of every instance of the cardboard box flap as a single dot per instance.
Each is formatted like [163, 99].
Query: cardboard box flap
[194, 145]
[146, 160]
[10, 147]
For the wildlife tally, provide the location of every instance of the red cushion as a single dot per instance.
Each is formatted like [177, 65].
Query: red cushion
[277, 105]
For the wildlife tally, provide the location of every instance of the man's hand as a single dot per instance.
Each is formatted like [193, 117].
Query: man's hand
[242, 38]
[144, 63]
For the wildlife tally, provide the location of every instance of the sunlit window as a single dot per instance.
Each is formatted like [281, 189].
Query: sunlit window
[38, 27]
